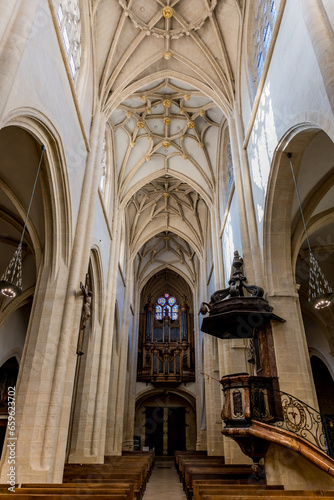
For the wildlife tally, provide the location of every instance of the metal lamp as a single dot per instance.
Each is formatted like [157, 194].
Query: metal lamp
[11, 280]
[320, 293]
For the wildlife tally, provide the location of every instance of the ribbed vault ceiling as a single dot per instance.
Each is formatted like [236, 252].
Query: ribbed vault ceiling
[166, 137]
[166, 204]
[166, 249]
[166, 72]
[199, 39]
[169, 128]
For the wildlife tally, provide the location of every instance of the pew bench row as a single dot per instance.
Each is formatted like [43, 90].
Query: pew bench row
[119, 478]
[288, 495]
[197, 466]
[209, 478]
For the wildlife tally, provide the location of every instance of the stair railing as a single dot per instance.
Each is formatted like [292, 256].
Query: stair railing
[297, 417]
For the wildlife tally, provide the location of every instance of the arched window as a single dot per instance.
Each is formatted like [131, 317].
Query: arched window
[265, 18]
[229, 168]
[226, 175]
[175, 311]
[103, 177]
[68, 16]
[158, 312]
[167, 310]
[166, 306]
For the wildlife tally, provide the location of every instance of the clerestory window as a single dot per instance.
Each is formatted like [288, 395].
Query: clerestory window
[68, 16]
[265, 17]
[229, 168]
[103, 177]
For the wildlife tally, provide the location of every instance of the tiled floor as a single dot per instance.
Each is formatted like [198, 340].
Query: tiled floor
[164, 482]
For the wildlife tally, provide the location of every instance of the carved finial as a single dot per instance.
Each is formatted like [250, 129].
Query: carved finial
[237, 260]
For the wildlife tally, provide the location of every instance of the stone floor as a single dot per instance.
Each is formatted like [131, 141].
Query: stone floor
[164, 482]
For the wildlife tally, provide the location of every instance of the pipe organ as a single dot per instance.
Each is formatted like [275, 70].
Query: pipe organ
[166, 351]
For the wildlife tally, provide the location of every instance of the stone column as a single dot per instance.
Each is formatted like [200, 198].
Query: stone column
[111, 430]
[239, 193]
[215, 441]
[200, 295]
[18, 22]
[322, 39]
[48, 364]
[130, 398]
[79, 266]
[118, 379]
[216, 223]
[249, 203]
[84, 448]
[109, 358]
[291, 350]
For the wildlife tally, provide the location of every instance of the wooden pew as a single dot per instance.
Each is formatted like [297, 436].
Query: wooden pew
[119, 470]
[269, 495]
[119, 478]
[179, 455]
[147, 455]
[234, 472]
[74, 490]
[207, 462]
[209, 487]
[132, 462]
[179, 458]
[81, 488]
[37, 496]
[107, 478]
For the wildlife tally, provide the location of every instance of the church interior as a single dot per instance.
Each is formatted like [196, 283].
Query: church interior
[167, 236]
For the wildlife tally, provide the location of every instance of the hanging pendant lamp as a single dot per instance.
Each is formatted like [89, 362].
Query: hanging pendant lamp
[11, 280]
[320, 294]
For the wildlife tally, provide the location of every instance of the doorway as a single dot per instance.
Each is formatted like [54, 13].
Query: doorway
[154, 429]
[165, 421]
[8, 376]
[176, 429]
[324, 386]
[165, 429]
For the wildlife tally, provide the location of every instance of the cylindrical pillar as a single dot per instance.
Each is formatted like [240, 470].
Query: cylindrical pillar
[322, 39]
[48, 372]
[18, 22]
[249, 203]
[239, 193]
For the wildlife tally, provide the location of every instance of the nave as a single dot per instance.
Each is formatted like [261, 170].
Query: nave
[147, 146]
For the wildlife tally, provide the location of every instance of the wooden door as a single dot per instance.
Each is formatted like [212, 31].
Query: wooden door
[176, 429]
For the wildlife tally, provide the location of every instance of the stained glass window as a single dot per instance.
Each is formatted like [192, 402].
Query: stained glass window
[166, 306]
[265, 18]
[167, 310]
[103, 177]
[175, 311]
[229, 167]
[158, 312]
[68, 17]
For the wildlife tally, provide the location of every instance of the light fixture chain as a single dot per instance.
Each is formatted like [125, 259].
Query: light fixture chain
[14, 269]
[312, 259]
[19, 252]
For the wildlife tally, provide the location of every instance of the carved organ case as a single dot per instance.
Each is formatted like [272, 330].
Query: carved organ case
[166, 354]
